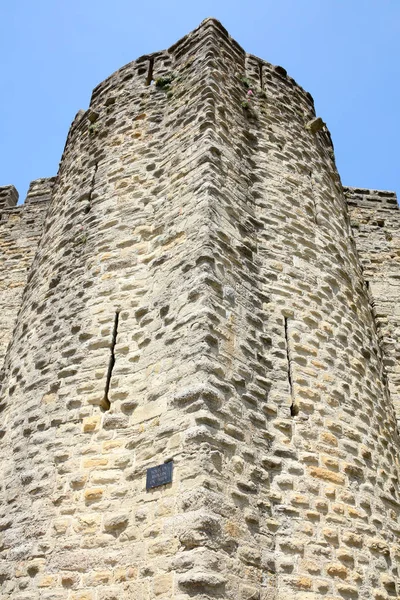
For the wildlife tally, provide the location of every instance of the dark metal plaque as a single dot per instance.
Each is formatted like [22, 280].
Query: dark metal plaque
[159, 475]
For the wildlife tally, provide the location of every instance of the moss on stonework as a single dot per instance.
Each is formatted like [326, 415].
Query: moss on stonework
[165, 81]
[244, 81]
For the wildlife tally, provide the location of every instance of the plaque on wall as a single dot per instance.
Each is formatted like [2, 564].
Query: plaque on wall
[159, 475]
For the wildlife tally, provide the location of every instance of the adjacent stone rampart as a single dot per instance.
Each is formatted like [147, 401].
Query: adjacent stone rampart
[8, 196]
[20, 229]
[197, 296]
[375, 220]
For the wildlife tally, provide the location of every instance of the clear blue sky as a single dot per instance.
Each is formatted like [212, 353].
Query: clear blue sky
[345, 52]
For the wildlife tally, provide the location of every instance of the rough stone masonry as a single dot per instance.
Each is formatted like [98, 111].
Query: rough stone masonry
[196, 289]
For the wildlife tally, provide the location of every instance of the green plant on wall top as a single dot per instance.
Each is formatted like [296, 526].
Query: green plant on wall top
[165, 81]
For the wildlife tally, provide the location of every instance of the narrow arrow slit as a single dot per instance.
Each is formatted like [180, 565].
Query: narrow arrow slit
[260, 72]
[106, 402]
[313, 199]
[92, 184]
[294, 409]
[149, 78]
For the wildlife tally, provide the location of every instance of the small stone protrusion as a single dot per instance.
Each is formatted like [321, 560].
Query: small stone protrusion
[202, 579]
[117, 521]
[281, 71]
[79, 115]
[315, 125]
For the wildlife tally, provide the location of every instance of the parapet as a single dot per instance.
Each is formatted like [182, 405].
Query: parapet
[8, 196]
[375, 221]
[21, 227]
[366, 198]
[40, 190]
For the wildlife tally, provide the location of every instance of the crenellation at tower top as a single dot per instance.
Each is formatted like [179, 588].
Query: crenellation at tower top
[8, 196]
[21, 226]
[375, 199]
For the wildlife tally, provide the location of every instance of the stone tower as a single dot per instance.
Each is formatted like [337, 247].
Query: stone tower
[200, 376]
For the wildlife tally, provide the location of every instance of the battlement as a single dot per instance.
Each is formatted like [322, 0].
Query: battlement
[21, 226]
[183, 56]
[375, 221]
[8, 197]
[39, 192]
[366, 198]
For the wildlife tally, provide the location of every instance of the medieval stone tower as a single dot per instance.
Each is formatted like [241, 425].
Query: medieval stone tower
[200, 341]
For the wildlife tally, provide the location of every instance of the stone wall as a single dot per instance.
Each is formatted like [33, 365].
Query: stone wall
[197, 297]
[20, 229]
[375, 220]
